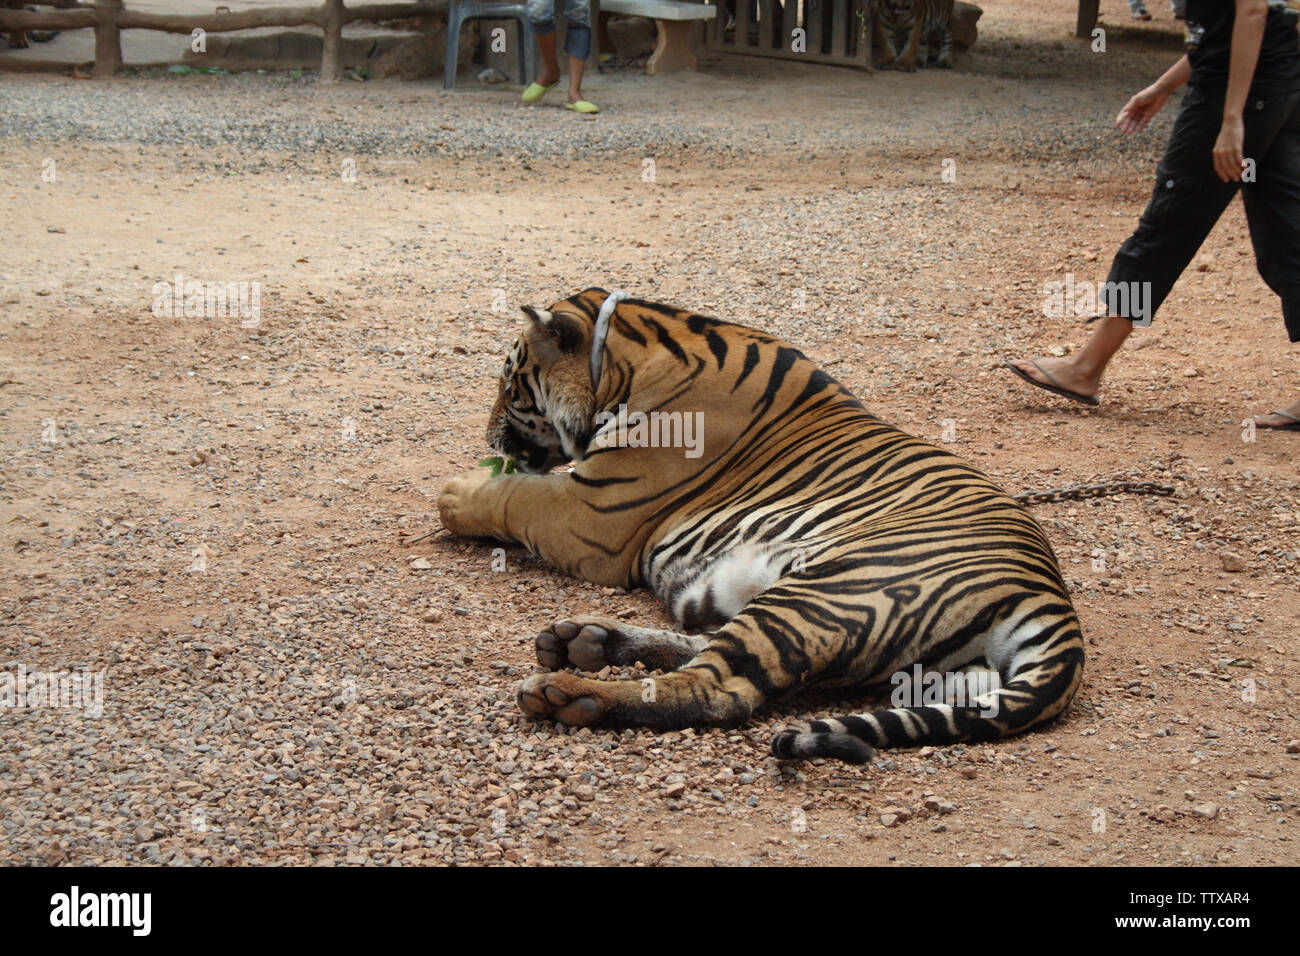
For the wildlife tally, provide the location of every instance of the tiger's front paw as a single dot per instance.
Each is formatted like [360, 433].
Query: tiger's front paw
[456, 504]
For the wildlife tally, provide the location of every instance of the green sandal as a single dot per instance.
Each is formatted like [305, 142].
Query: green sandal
[536, 91]
[583, 106]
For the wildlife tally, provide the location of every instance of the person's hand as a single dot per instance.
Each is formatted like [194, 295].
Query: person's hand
[1228, 158]
[1138, 111]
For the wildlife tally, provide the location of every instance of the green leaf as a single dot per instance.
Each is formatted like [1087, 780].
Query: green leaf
[500, 466]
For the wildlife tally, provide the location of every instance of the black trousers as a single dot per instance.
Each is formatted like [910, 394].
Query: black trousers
[1189, 198]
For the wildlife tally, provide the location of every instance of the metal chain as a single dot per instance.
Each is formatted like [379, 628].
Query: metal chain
[1082, 492]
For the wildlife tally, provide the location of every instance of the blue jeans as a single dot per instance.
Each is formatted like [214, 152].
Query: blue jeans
[577, 17]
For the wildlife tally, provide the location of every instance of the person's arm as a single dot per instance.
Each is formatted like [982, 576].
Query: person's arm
[1176, 75]
[1138, 111]
[1247, 38]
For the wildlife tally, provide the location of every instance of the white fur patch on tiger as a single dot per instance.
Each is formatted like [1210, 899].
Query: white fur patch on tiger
[734, 579]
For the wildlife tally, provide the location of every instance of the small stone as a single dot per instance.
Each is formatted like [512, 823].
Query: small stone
[1207, 811]
[889, 819]
[675, 789]
[1232, 561]
[1293, 747]
[1191, 372]
[420, 564]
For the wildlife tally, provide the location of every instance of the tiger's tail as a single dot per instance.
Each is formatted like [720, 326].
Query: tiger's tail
[1039, 663]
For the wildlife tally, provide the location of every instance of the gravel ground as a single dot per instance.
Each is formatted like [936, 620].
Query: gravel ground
[223, 521]
[710, 113]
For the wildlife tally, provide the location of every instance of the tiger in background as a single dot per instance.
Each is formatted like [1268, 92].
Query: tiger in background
[18, 38]
[908, 26]
[807, 543]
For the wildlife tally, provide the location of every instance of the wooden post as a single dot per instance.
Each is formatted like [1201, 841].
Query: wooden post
[331, 57]
[108, 37]
[1087, 18]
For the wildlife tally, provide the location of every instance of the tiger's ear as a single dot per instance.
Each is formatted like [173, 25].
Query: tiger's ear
[562, 330]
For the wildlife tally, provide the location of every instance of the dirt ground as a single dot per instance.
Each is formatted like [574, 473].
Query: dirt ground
[216, 518]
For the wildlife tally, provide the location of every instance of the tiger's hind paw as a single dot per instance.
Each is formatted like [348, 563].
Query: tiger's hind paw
[577, 643]
[796, 745]
[564, 697]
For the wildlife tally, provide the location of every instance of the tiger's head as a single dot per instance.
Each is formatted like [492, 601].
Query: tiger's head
[545, 403]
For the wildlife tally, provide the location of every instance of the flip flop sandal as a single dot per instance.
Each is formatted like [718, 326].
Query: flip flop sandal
[536, 91]
[582, 106]
[1291, 426]
[1055, 388]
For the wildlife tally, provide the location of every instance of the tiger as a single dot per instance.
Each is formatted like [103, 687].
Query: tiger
[909, 26]
[805, 543]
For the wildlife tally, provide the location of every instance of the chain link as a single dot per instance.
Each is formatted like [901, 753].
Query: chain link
[1082, 492]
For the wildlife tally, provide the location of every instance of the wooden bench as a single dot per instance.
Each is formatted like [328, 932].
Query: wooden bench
[673, 19]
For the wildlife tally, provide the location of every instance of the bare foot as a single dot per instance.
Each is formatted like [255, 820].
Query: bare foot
[1064, 370]
[546, 79]
[1272, 420]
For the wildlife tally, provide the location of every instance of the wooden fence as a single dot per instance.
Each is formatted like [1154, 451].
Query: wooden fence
[829, 31]
[109, 18]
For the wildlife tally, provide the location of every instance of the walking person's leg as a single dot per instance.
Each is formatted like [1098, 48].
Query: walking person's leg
[541, 14]
[577, 43]
[1187, 201]
[1273, 212]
